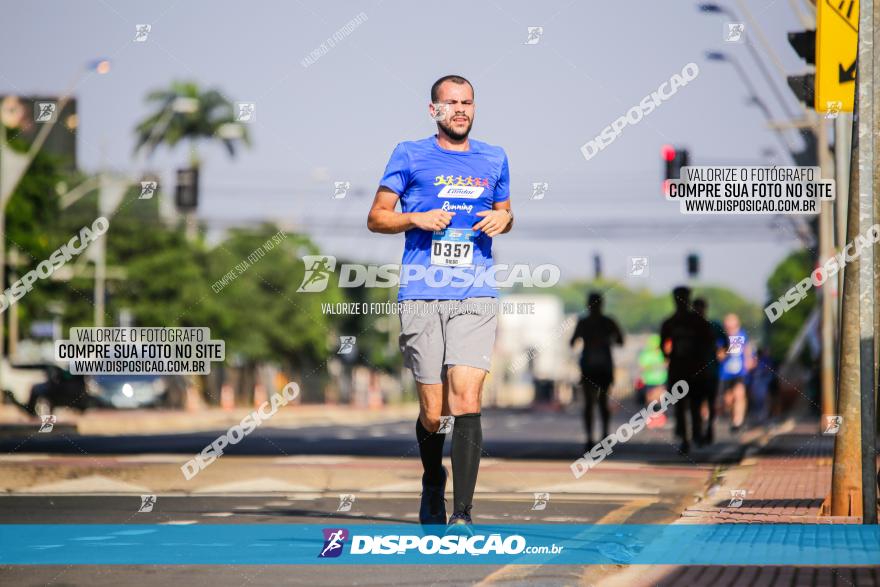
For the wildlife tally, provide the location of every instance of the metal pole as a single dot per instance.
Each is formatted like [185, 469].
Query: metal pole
[3, 148]
[826, 251]
[100, 258]
[842, 149]
[868, 467]
[846, 473]
[868, 127]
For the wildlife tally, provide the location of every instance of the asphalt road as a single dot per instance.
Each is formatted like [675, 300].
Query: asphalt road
[280, 510]
[517, 434]
[293, 476]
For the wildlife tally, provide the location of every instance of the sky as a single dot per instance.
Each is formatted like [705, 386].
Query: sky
[339, 118]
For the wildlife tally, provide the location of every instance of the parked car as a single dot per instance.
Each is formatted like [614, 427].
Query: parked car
[109, 391]
[61, 388]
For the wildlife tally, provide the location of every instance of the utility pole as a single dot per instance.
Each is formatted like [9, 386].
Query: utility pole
[853, 484]
[845, 475]
[868, 119]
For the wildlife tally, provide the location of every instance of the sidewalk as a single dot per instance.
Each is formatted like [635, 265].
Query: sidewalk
[161, 421]
[783, 479]
[785, 482]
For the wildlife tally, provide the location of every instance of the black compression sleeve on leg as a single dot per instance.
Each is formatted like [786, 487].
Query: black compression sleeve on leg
[467, 444]
[431, 451]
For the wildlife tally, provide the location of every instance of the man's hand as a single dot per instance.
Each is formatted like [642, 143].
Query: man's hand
[432, 220]
[494, 221]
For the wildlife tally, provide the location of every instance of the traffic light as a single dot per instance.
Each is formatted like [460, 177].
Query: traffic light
[804, 85]
[693, 265]
[804, 44]
[673, 159]
[187, 194]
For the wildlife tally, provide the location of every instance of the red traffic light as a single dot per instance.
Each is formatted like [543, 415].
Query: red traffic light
[668, 152]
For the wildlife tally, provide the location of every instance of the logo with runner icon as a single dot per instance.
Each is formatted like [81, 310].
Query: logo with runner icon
[318, 270]
[334, 540]
[541, 501]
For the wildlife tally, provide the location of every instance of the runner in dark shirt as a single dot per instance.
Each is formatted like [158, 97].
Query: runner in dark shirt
[687, 338]
[598, 332]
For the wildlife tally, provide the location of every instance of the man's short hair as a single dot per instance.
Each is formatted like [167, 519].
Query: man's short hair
[456, 79]
[682, 295]
[594, 300]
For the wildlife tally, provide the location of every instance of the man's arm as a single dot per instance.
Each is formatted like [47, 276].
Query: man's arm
[749, 357]
[618, 333]
[577, 333]
[385, 219]
[664, 335]
[505, 205]
[498, 220]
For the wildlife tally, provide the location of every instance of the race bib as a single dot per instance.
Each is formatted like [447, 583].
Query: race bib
[453, 247]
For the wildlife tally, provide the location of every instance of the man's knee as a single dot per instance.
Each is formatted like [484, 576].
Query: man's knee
[465, 401]
[430, 421]
[468, 407]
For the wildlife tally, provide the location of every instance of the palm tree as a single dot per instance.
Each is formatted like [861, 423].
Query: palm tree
[187, 114]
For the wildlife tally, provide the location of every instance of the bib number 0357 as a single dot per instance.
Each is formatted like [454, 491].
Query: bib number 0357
[453, 247]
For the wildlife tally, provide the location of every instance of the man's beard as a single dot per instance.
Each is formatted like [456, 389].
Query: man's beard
[453, 134]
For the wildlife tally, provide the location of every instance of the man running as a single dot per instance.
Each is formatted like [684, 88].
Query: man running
[455, 197]
[686, 338]
[598, 332]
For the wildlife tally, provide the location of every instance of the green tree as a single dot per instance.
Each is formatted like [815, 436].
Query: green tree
[186, 113]
[641, 310]
[265, 318]
[34, 228]
[781, 334]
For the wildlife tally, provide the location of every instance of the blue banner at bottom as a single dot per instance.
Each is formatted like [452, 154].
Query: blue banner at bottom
[564, 544]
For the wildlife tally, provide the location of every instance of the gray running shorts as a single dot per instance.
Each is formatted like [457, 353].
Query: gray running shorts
[436, 334]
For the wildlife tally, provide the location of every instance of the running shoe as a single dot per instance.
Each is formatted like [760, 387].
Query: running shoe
[433, 507]
[460, 523]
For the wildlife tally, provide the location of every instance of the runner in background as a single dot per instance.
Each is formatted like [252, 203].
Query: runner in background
[736, 363]
[709, 391]
[763, 385]
[685, 339]
[652, 364]
[598, 332]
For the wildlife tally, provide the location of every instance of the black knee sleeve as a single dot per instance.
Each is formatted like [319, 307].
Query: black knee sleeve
[467, 446]
[431, 451]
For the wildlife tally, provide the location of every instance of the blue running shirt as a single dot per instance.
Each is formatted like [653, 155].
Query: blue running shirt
[427, 176]
[734, 364]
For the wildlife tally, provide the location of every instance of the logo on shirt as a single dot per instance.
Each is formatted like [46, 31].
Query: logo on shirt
[451, 191]
[459, 181]
[453, 207]
[735, 346]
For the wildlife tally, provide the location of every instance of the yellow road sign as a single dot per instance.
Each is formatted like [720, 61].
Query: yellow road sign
[837, 35]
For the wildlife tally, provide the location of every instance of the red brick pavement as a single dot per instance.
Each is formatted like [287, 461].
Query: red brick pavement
[785, 482]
